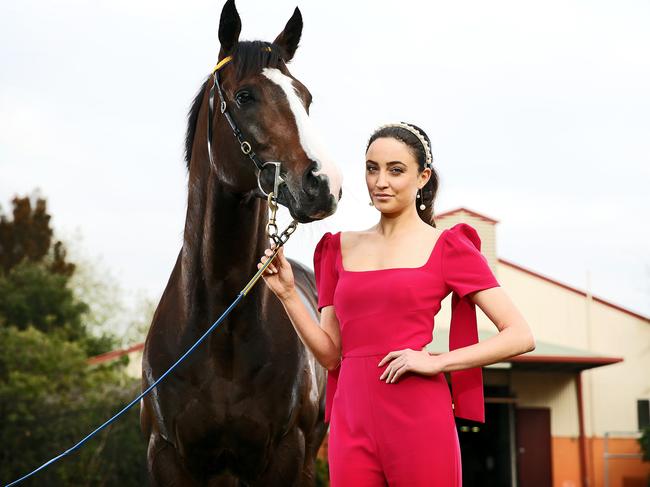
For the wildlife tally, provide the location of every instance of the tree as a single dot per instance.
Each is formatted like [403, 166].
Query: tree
[50, 398]
[32, 295]
[29, 237]
[35, 279]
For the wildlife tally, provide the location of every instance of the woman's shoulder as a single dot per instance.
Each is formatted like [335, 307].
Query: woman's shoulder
[350, 238]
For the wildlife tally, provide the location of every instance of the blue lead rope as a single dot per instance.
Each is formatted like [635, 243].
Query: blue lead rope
[148, 389]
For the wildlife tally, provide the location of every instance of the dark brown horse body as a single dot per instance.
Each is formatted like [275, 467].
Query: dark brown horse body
[246, 407]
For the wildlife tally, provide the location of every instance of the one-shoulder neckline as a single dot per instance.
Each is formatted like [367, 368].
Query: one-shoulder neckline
[339, 258]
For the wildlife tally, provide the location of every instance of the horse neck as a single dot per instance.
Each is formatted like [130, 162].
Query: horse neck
[224, 238]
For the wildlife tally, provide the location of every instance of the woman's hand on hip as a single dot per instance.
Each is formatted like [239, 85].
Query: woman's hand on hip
[278, 276]
[408, 360]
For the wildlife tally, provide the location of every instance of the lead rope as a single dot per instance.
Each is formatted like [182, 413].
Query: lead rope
[279, 240]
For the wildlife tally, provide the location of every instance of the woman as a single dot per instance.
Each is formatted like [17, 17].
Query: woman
[388, 403]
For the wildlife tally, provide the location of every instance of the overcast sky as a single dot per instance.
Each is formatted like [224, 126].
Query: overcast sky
[539, 114]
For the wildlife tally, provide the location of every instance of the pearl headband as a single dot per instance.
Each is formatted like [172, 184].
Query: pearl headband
[414, 131]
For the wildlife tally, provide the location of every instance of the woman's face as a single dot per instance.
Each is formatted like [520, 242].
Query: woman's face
[391, 168]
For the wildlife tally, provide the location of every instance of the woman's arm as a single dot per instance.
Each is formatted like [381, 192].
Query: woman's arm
[324, 341]
[514, 338]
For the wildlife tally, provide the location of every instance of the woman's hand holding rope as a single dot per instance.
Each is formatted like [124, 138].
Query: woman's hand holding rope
[278, 275]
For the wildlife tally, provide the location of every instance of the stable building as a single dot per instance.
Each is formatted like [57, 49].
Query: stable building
[567, 414]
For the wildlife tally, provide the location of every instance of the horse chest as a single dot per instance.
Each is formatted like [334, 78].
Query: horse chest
[227, 433]
[229, 410]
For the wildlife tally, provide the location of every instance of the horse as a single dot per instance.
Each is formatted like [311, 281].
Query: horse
[246, 408]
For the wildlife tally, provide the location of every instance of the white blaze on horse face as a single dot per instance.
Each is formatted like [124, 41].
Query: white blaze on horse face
[309, 139]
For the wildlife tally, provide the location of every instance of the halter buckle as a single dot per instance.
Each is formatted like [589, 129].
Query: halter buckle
[246, 147]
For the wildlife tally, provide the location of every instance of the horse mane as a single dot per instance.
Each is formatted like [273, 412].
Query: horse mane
[192, 119]
[249, 58]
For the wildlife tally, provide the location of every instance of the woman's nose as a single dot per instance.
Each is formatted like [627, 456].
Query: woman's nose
[381, 179]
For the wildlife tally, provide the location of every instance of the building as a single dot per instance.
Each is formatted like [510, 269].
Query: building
[552, 414]
[564, 415]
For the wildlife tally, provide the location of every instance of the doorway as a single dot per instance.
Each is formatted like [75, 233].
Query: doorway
[486, 447]
[534, 463]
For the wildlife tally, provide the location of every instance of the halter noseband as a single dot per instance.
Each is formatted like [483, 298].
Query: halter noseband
[244, 145]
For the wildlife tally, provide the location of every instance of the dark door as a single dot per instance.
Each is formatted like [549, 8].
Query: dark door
[485, 448]
[533, 433]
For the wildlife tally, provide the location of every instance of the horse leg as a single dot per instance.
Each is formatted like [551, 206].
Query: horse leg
[226, 480]
[308, 474]
[165, 466]
[286, 465]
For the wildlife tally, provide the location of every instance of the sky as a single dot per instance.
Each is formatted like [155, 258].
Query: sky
[539, 115]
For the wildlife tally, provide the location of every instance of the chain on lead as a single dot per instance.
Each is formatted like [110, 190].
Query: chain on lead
[279, 240]
[288, 231]
[271, 226]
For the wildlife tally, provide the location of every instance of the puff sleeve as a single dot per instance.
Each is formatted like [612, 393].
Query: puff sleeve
[325, 271]
[326, 276]
[465, 270]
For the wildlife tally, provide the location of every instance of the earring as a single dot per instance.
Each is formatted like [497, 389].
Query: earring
[421, 198]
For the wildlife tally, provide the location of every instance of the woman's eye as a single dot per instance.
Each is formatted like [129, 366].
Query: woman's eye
[394, 170]
[243, 97]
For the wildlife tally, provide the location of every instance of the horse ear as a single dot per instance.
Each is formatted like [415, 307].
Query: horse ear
[290, 36]
[229, 27]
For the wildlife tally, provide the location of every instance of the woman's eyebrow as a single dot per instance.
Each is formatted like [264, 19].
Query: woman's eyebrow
[388, 163]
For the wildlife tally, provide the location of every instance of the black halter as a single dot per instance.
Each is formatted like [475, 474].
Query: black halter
[245, 146]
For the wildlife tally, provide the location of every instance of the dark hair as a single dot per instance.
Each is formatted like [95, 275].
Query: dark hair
[430, 189]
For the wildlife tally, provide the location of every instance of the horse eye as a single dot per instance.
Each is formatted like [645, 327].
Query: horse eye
[243, 97]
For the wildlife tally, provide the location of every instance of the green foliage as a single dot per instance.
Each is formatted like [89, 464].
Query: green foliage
[322, 473]
[32, 295]
[50, 399]
[28, 236]
[34, 279]
[644, 441]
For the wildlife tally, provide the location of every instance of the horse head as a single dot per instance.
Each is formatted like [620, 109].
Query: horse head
[269, 107]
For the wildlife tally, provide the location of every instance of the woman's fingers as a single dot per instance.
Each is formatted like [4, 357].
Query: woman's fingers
[271, 269]
[280, 258]
[393, 372]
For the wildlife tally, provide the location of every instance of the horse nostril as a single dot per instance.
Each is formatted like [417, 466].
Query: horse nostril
[314, 182]
[340, 194]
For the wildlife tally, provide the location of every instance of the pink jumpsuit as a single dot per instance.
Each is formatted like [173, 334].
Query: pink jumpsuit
[404, 433]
